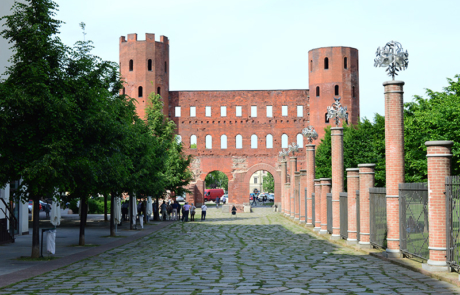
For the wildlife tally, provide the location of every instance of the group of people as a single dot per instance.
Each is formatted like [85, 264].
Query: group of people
[173, 211]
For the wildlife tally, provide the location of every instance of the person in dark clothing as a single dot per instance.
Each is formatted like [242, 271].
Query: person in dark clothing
[124, 211]
[179, 209]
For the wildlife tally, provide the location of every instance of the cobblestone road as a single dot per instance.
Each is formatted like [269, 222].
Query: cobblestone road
[259, 253]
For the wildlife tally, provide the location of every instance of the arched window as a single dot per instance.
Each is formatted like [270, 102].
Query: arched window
[131, 65]
[159, 90]
[223, 142]
[353, 91]
[336, 90]
[208, 141]
[149, 65]
[140, 91]
[317, 90]
[326, 63]
[284, 141]
[239, 141]
[300, 140]
[269, 141]
[345, 63]
[178, 138]
[326, 120]
[193, 142]
[253, 141]
[166, 67]
[311, 65]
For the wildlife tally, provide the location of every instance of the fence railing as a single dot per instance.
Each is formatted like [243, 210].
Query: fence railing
[344, 215]
[453, 221]
[413, 219]
[313, 220]
[329, 212]
[378, 216]
[358, 220]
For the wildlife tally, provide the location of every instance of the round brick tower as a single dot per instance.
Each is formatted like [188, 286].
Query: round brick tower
[333, 72]
[144, 65]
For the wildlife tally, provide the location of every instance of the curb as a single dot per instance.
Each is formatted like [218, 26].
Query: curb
[377, 255]
[39, 269]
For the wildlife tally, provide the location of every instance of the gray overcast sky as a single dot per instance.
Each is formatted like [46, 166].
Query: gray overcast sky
[264, 44]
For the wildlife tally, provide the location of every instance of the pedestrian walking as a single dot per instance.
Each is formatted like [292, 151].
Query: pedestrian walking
[169, 209]
[203, 212]
[174, 206]
[186, 211]
[254, 200]
[192, 212]
[217, 202]
[164, 211]
[179, 210]
[124, 211]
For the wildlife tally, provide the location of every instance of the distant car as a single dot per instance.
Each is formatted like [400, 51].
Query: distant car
[252, 196]
[180, 199]
[271, 197]
[31, 207]
[43, 205]
[224, 199]
[213, 194]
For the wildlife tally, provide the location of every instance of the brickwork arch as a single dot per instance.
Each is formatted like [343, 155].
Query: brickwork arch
[244, 186]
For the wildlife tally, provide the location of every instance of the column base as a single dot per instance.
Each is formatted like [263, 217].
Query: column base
[316, 229]
[435, 266]
[323, 232]
[364, 245]
[352, 241]
[335, 237]
[392, 253]
[302, 221]
[309, 225]
[296, 219]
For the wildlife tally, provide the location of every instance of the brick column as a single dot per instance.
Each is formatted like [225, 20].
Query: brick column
[366, 181]
[293, 169]
[438, 157]
[283, 181]
[303, 197]
[296, 196]
[318, 207]
[353, 186]
[394, 157]
[337, 178]
[287, 196]
[310, 184]
[325, 189]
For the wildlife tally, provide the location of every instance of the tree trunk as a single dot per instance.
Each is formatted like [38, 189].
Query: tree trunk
[112, 214]
[84, 213]
[36, 227]
[105, 207]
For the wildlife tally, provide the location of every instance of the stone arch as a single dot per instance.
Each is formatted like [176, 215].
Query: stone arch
[243, 185]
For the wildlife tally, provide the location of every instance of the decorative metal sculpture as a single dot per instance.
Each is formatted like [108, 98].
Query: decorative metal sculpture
[337, 111]
[293, 148]
[310, 133]
[284, 153]
[392, 55]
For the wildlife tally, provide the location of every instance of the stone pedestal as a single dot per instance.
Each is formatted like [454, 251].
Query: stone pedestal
[353, 186]
[302, 196]
[310, 183]
[366, 181]
[325, 189]
[337, 178]
[318, 207]
[283, 181]
[292, 169]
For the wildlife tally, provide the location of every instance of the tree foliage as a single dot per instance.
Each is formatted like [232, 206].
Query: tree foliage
[269, 183]
[216, 179]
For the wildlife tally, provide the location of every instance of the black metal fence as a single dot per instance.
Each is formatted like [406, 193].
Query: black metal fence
[378, 216]
[344, 215]
[329, 212]
[453, 221]
[358, 216]
[413, 219]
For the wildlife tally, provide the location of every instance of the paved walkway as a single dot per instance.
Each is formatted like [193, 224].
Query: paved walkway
[260, 253]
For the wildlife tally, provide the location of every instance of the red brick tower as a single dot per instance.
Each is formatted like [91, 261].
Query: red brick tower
[144, 65]
[333, 72]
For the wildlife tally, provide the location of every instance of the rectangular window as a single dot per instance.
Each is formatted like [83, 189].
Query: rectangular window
[223, 111]
[299, 111]
[269, 111]
[192, 111]
[284, 111]
[253, 111]
[239, 111]
[255, 180]
[208, 111]
[177, 111]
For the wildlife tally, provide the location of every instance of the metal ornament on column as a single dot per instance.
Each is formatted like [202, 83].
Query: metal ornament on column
[283, 154]
[393, 57]
[337, 111]
[293, 148]
[310, 133]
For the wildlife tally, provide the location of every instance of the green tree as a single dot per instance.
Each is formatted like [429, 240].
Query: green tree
[269, 183]
[34, 106]
[216, 179]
